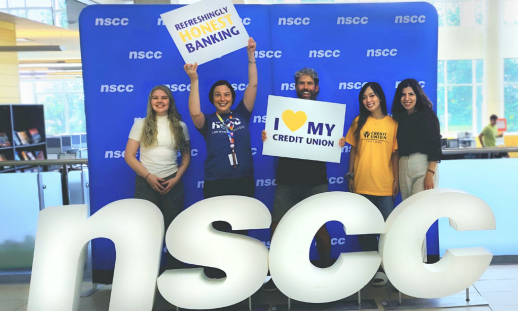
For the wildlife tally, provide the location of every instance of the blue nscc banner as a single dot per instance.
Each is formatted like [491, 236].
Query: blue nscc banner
[127, 50]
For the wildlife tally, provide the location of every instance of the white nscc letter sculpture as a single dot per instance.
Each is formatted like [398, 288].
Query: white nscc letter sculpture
[136, 228]
[406, 229]
[290, 267]
[191, 238]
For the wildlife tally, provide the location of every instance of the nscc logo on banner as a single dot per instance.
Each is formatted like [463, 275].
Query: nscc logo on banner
[303, 129]
[206, 30]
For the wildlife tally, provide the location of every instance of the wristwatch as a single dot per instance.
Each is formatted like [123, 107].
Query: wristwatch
[349, 175]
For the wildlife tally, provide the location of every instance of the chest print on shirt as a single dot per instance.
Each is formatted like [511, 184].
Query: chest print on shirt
[375, 137]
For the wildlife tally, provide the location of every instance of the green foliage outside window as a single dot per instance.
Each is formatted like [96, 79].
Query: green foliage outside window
[511, 107]
[460, 71]
[453, 14]
[511, 93]
[511, 70]
[54, 107]
[439, 6]
[460, 107]
[76, 112]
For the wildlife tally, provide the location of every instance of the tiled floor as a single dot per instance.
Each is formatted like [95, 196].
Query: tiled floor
[498, 286]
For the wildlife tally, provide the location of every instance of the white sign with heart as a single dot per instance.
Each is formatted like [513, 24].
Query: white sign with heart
[304, 129]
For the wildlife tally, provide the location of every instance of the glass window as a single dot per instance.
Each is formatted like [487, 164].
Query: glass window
[460, 108]
[16, 3]
[54, 106]
[460, 71]
[60, 4]
[74, 86]
[440, 72]
[452, 14]
[39, 3]
[439, 6]
[62, 19]
[49, 86]
[20, 13]
[479, 12]
[511, 107]
[76, 112]
[510, 12]
[511, 70]
[63, 101]
[479, 70]
[42, 16]
[27, 93]
[3, 3]
[459, 95]
[511, 93]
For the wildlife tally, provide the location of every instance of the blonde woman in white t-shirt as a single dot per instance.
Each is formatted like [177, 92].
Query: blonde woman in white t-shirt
[160, 136]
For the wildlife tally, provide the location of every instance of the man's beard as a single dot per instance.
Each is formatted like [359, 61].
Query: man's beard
[312, 94]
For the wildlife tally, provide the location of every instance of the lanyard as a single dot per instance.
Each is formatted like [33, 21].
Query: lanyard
[230, 132]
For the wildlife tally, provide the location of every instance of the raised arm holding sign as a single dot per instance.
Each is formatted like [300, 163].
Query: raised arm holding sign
[206, 30]
[229, 168]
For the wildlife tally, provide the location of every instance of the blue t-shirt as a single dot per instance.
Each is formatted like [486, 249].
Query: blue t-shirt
[217, 164]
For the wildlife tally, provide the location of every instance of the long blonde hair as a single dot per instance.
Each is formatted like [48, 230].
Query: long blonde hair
[150, 130]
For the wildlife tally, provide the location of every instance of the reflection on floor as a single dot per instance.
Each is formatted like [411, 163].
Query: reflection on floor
[498, 286]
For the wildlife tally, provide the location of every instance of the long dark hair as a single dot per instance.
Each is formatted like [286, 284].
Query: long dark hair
[422, 101]
[364, 113]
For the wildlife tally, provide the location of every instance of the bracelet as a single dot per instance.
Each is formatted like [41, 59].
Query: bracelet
[251, 62]
[431, 171]
[147, 176]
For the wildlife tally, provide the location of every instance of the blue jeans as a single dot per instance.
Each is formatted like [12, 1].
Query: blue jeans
[385, 204]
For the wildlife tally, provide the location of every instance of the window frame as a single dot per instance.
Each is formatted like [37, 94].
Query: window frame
[64, 94]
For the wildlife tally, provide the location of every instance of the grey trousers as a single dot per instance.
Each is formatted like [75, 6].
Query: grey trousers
[412, 171]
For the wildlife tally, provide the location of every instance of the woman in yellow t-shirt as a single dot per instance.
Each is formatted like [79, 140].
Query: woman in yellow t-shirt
[373, 160]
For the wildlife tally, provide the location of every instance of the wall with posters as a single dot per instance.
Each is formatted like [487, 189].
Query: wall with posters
[126, 50]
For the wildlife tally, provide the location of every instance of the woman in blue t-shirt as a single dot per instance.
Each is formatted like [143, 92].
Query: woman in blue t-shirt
[229, 167]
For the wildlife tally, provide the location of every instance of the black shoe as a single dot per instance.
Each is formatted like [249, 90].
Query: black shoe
[269, 286]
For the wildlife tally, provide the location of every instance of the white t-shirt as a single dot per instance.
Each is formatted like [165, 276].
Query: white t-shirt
[159, 160]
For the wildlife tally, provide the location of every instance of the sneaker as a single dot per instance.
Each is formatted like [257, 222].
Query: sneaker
[269, 286]
[380, 279]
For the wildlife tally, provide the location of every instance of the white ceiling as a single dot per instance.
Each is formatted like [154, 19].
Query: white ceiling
[43, 34]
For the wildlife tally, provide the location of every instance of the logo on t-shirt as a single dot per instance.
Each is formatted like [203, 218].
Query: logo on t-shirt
[375, 136]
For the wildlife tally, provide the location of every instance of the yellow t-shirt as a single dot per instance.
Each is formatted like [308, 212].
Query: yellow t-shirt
[373, 172]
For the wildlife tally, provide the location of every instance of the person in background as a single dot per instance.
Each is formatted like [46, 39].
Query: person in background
[488, 137]
[229, 167]
[419, 139]
[159, 176]
[373, 160]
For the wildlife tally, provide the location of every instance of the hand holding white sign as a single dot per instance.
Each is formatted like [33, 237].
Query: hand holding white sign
[303, 129]
[206, 30]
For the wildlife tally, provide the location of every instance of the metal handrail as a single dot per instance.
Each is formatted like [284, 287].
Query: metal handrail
[44, 162]
[450, 151]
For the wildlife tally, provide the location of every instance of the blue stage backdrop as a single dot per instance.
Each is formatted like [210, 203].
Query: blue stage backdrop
[126, 51]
